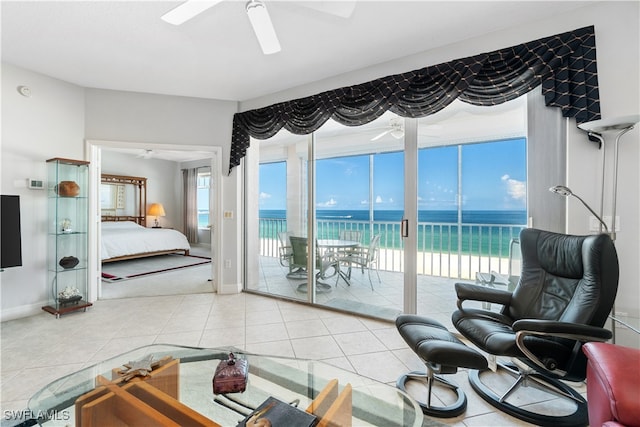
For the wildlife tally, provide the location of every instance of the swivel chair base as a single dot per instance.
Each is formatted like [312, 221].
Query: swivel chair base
[526, 378]
[452, 410]
[320, 287]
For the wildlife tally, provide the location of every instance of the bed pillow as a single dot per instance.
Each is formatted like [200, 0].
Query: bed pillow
[120, 225]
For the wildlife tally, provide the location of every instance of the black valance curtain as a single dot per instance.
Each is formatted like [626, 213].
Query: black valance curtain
[565, 65]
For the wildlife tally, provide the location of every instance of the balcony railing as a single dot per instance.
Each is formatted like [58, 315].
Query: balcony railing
[453, 250]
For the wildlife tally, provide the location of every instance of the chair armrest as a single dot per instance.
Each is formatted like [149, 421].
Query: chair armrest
[550, 328]
[574, 331]
[470, 291]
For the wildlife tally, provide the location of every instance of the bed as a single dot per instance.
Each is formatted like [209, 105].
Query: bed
[122, 240]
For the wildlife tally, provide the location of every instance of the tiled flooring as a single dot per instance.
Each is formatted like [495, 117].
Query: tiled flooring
[41, 348]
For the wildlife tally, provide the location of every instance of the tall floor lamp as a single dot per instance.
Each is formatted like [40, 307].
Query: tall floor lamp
[596, 129]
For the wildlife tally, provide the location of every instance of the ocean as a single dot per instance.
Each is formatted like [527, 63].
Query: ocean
[470, 217]
[481, 231]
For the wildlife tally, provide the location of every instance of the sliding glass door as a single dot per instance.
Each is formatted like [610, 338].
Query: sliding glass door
[359, 196]
[340, 192]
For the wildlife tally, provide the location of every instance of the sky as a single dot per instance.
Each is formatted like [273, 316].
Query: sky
[493, 177]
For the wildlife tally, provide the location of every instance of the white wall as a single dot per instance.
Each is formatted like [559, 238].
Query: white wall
[48, 124]
[164, 183]
[618, 47]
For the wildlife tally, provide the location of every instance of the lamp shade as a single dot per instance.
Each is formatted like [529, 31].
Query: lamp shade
[156, 209]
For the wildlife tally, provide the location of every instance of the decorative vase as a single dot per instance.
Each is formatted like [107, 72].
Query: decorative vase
[67, 189]
[68, 262]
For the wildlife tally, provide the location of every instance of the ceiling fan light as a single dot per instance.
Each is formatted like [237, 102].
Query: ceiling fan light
[397, 133]
[187, 10]
[263, 27]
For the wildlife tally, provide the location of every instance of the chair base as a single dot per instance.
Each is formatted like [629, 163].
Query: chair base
[298, 273]
[320, 287]
[450, 411]
[578, 418]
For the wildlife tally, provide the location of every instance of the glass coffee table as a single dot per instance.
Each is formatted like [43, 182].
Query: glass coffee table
[289, 380]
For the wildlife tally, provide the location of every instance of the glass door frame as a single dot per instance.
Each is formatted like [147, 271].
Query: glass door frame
[410, 241]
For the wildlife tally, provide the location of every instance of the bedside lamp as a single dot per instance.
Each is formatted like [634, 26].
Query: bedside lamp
[156, 209]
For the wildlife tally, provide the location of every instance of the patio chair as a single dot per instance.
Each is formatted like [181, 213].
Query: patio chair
[327, 265]
[510, 281]
[364, 257]
[352, 236]
[284, 249]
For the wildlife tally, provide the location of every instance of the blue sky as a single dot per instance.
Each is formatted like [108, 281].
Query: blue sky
[493, 178]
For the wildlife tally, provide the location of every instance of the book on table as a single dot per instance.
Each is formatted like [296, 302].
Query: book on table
[279, 414]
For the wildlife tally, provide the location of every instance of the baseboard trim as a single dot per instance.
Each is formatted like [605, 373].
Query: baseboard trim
[14, 313]
[229, 288]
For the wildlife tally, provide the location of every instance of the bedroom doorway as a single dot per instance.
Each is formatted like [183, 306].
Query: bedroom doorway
[183, 156]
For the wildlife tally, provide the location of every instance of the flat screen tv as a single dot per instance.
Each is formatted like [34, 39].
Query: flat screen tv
[11, 249]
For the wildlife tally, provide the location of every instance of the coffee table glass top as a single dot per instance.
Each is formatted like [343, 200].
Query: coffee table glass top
[287, 379]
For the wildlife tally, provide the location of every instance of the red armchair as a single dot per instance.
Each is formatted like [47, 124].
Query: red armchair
[613, 385]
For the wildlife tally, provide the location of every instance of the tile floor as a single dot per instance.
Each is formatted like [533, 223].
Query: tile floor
[41, 348]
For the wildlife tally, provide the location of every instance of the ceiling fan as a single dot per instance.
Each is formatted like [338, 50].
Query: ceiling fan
[258, 16]
[146, 154]
[395, 128]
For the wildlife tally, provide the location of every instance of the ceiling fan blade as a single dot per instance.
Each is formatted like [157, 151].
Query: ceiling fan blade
[342, 8]
[263, 27]
[380, 135]
[187, 10]
[146, 154]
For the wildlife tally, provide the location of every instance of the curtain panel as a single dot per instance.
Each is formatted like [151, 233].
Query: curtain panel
[190, 207]
[564, 64]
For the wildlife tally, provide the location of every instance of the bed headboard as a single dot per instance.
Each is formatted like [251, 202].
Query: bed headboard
[116, 191]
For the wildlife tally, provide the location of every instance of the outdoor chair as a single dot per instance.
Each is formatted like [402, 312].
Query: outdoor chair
[285, 255]
[364, 257]
[566, 291]
[284, 249]
[352, 236]
[509, 281]
[327, 264]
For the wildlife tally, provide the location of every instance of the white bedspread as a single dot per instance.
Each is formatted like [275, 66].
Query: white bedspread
[124, 238]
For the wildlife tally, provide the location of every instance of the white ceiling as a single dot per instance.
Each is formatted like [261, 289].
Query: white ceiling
[123, 45]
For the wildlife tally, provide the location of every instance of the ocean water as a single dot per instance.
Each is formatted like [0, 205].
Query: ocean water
[470, 217]
[484, 231]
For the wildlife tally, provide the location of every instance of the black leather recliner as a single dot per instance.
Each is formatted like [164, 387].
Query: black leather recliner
[566, 291]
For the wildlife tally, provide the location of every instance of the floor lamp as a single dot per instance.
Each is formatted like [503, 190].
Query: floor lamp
[596, 129]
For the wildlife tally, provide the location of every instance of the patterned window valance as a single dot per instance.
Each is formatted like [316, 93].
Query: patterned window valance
[565, 65]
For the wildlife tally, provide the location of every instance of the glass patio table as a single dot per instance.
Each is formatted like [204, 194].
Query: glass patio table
[286, 379]
[339, 245]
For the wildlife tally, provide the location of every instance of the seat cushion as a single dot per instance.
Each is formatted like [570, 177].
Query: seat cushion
[434, 343]
[488, 330]
[613, 376]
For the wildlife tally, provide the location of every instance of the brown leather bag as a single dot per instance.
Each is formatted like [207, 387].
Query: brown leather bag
[231, 375]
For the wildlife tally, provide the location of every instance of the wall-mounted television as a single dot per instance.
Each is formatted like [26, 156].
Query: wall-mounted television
[11, 249]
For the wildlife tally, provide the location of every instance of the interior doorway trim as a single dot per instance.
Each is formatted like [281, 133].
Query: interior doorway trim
[93, 151]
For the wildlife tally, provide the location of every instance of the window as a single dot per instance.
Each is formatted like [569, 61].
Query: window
[204, 180]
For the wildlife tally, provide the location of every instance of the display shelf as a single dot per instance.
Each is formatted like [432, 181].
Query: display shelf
[67, 235]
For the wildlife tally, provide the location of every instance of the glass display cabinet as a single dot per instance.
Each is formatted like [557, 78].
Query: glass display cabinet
[67, 237]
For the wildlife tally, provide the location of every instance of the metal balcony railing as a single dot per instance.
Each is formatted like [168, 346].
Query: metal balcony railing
[453, 250]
